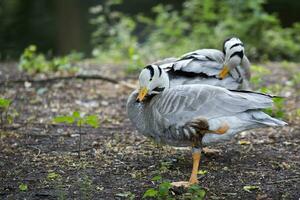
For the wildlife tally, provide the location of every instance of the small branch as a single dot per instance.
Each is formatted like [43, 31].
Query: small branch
[59, 78]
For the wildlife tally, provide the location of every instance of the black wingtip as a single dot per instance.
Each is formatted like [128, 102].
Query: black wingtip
[254, 92]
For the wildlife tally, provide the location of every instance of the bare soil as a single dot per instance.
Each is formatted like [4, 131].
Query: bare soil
[119, 163]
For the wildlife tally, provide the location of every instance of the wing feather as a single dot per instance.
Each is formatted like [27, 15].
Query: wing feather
[181, 104]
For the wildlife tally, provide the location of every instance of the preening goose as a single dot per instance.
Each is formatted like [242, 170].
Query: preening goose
[194, 115]
[229, 69]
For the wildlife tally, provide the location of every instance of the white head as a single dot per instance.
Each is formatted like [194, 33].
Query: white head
[152, 80]
[233, 48]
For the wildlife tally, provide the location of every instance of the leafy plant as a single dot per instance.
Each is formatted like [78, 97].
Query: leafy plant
[278, 110]
[33, 62]
[249, 188]
[23, 187]
[79, 120]
[126, 195]
[279, 102]
[162, 192]
[86, 187]
[6, 117]
[52, 176]
[196, 192]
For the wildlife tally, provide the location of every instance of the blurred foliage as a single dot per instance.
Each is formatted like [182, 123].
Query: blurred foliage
[200, 24]
[113, 38]
[258, 72]
[7, 114]
[33, 62]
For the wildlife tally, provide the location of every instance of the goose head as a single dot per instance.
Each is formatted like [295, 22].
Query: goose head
[234, 52]
[152, 80]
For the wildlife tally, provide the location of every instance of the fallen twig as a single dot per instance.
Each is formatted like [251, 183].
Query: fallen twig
[58, 78]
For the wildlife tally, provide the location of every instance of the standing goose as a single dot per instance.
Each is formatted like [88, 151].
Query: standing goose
[229, 69]
[194, 115]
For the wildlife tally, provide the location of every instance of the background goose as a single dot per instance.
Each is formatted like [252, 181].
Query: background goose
[185, 115]
[229, 69]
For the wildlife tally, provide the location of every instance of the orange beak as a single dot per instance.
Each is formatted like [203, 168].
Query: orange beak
[142, 93]
[224, 72]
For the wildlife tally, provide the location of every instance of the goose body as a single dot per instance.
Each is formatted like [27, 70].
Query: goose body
[204, 66]
[165, 117]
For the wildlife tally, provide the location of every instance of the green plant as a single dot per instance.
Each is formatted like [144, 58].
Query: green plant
[23, 187]
[85, 187]
[196, 192]
[249, 188]
[278, 108]
[79, 120]
[7, 115]
[126, 195]
[162, 192]
[33, 62]
[53, 176]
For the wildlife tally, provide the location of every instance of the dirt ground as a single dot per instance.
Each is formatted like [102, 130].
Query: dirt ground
[117, 162]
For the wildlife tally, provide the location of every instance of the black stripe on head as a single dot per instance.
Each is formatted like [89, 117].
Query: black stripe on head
[238, 53]
[226, 40]
[150, 68]
[237, 44]
[159, 69]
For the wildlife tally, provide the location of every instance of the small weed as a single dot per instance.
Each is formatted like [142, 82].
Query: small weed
[165, 166]
[278, 108]
[23, 187]
[202, 172]
[126, 195]
[85, 187]
[249, 188]
[196, 192]
[33, 62]
[77, 118]
[163, 191]
[7, 114]
[52, 176]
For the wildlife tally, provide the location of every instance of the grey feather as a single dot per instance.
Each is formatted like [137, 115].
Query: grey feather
[165, 116]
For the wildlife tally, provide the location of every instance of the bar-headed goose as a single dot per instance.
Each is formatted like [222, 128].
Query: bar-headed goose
[229, 69]
[194, 115]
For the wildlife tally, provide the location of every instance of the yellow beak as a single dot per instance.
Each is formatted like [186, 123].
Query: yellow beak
[142, 93]
[224, 72]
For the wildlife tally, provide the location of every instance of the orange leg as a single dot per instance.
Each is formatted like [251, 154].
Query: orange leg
[196, 161]
[193, 178]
